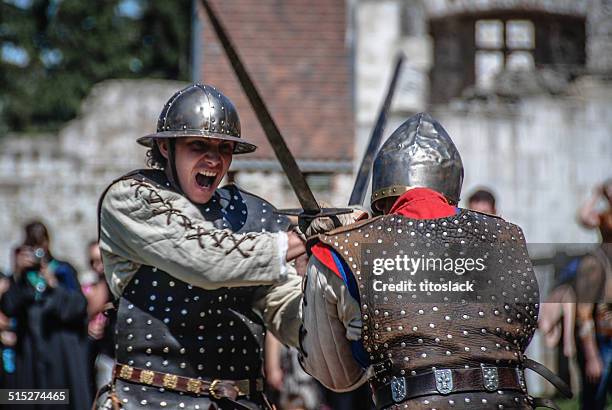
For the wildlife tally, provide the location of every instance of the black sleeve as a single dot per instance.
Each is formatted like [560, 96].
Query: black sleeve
[65, 305]
[16, 299]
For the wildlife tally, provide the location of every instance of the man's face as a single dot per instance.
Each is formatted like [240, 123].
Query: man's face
[201, 164]
[482, 206]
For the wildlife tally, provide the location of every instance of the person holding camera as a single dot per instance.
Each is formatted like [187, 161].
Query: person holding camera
[50, 312]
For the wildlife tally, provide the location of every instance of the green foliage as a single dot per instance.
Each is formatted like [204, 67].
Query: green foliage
[54, 51]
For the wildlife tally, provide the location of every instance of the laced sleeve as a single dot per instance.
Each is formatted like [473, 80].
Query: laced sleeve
[143, 224]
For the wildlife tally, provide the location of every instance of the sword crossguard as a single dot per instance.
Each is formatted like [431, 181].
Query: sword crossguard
[305, 218]
[323, 212]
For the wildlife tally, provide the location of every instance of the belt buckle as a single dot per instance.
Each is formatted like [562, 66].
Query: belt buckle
[490, 377]
[212, 387]
[398, 389]
[444, 380]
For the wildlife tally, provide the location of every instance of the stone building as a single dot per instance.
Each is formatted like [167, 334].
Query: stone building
[523, 86]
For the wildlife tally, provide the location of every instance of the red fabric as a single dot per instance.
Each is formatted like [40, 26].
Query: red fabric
[422, 203]
[324, 254]
[418, 203]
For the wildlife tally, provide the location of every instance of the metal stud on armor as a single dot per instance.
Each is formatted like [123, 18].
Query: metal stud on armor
[425, 352]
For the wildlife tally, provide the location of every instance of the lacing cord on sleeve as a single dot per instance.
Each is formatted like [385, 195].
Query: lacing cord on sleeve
[193, 231]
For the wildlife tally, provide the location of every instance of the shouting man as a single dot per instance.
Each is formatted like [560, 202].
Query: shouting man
[199, 272]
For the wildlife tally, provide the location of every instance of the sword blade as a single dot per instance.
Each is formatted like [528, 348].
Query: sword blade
[286, 159]
[363, 175]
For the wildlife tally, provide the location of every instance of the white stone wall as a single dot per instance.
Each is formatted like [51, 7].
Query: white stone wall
[59, 178]
[541, 157]
[441, 8]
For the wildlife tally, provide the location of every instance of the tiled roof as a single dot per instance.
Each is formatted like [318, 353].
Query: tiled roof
[298, 55]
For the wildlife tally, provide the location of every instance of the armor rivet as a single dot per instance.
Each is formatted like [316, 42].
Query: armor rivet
[448, 353]
[467, 349]
[406, 359]
[447, 317]
[467, 399]
[423, 355]
[163, 404]
[421, 311]
[129, 348]
[143, 402]
[148, 336]
[403, 344]
[415, 328]
[128, 320]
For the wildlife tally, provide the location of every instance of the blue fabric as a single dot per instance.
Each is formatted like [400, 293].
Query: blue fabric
[357, 348]
[594, 395]
[66, 275]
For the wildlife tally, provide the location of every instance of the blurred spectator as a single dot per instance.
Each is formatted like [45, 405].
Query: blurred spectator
[95, 289]
[590, 217]
[8, 339]
[50, 311]
[594, 326]
[482, 201]
[594, 307]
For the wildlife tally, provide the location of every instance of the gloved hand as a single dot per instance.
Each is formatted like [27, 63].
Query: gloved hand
[311, 227]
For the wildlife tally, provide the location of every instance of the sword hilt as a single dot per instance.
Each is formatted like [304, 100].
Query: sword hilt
[305, 218]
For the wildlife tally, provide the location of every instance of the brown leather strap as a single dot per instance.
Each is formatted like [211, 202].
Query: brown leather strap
[448, 381]
[217, 389]
[550, 376]
[546, 403]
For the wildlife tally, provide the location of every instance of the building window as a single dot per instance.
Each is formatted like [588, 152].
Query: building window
[500, 45]
[470, 50]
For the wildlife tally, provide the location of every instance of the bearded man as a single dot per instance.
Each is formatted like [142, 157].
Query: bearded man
[416, 332]
[200, 272]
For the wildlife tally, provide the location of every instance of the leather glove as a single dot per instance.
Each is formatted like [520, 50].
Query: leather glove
[312, 227]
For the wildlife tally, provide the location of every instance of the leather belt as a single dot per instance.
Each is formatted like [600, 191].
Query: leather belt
[217, 389]
[449, 381]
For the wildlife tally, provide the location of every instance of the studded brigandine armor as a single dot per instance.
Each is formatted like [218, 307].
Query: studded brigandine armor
[168, 326]
[444, 350]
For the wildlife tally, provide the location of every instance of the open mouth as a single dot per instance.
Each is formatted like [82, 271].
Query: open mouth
[205, 179]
